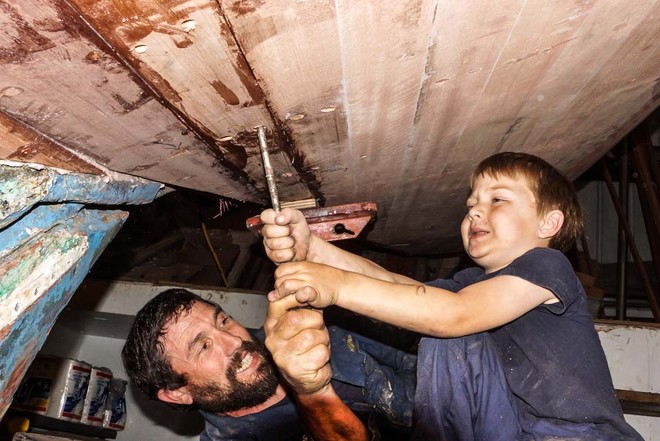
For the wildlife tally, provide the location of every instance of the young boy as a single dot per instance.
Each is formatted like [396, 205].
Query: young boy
[511, 352]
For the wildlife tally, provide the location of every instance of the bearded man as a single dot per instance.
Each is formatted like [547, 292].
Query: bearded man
[187, 352]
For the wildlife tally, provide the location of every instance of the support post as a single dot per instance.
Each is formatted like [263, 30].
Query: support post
[637, 259]
[622, 255]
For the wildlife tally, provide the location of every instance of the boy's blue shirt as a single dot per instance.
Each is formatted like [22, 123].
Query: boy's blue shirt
[551, 356]
[372, 378]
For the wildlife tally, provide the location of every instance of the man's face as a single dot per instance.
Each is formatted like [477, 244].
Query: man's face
[226, 369]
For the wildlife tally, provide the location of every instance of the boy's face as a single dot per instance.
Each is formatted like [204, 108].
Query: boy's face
[501, 223]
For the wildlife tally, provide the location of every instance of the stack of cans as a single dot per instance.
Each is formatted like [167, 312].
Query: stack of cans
[73, 390]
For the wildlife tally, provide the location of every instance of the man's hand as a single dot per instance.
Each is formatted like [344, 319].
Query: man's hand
[310, 283]
[300, 344]
[287, 236]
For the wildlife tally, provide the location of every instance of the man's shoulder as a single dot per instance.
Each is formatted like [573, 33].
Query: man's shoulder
[278, 423]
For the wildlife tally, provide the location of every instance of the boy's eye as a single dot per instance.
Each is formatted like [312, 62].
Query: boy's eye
[496, 200]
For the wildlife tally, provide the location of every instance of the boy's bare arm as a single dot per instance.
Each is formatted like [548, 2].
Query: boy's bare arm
[428, 310]
[287, 238]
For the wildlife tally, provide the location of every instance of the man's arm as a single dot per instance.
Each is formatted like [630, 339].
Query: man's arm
[300, 345]
[328, 418]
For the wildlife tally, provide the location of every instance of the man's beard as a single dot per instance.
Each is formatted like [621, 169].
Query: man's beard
[217, 398]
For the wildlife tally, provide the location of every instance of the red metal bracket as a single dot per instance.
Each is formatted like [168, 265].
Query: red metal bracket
[332, 223]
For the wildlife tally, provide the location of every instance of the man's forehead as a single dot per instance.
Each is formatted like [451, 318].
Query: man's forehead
[177, 325]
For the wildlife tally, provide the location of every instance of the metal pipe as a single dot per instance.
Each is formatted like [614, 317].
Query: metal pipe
[268, 169]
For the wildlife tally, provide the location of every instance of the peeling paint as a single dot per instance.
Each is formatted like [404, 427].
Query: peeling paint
[24, 331]
[22, 273]
[22, 186]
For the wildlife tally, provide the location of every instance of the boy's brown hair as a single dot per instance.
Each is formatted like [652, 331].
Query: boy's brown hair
[552, 190]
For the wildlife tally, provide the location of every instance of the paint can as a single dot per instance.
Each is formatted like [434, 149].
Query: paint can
[115, 410]
[54, 387]
[96, 396]
[68, 390]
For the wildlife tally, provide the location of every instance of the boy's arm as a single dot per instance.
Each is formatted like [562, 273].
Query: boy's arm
[287, 238]
[300, 345]
[420, 308]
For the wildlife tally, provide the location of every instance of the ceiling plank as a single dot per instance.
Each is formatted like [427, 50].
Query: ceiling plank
[293, 51]
[186, 52]
[79, 95]
[22, 144]
[614, 86]
[465, 46]
[350, 95]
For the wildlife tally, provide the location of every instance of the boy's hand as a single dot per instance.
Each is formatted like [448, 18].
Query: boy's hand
[300, 344]
[287, 236]
[310, 283]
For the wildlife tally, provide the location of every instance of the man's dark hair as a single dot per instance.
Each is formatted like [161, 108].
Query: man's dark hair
[143, 355]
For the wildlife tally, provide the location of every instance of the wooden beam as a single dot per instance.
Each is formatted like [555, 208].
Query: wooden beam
[22, 186]
[21, 143]
[40, 276]
[643, 163]
[639, 403]
[652, 296]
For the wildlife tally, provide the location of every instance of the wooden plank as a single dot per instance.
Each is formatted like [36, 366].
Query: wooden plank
[67, 87]
[610, 90]
[640, 397]
[30, 302]
[21, 143]
[623, 92]
[502, 112]
[465, 46]
[539, 35]
[383, 74]
[351, 95]
[47, 249]
[632, 350]
[293, 51]
[185, 50]
[485, 67]
[23, 186]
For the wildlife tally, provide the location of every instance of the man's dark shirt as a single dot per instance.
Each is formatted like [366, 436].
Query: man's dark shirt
[375, 380]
